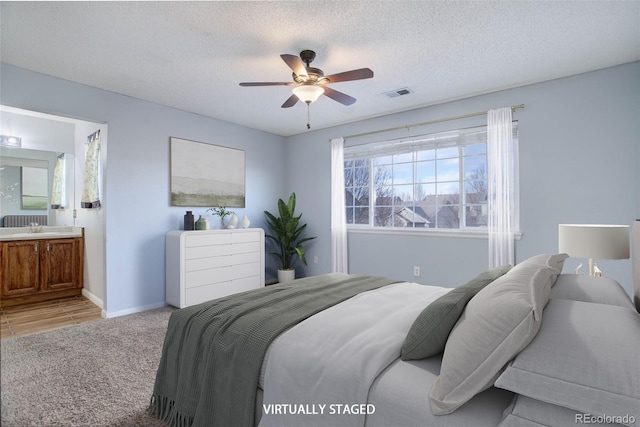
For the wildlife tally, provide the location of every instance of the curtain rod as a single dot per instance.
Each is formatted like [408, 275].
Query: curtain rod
[447, 119]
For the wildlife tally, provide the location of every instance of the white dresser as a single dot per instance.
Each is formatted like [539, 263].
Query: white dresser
[207, 264]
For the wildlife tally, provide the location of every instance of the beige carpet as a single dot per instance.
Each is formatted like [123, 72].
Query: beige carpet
[94, 374]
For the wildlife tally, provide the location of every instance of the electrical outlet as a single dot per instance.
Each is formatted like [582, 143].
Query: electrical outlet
[416, 271]
[315, 259]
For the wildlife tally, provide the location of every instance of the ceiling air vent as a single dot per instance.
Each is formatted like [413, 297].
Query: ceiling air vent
[398, 92]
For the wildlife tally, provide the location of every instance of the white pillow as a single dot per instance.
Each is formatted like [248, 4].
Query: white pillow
[585, 358]
[496, 324]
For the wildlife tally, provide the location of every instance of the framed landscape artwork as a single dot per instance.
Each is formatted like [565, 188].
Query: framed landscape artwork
[206, 174]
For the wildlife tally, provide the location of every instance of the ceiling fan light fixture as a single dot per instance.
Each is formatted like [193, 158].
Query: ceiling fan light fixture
[308, 93]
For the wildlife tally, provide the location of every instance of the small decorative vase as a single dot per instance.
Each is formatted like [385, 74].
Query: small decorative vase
[201, 223]
[222, 225]
[245, 222]
[233, 221]
[206, 221]
[188, 221]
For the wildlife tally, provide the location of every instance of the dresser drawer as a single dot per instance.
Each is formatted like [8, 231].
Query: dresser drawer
[221, 261]
[218, 250]
[221, 239]
[197, 278]
[207, 293]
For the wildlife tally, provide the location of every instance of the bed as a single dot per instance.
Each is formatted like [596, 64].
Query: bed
[521, 346]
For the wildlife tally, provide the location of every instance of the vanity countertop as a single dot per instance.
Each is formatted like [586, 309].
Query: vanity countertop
[44, 232]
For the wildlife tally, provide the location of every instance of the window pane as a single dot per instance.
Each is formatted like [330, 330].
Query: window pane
[444, 153]
[383, 216]
[357, 196]
[423, 191]
[448, 170]
[449, 189]
[404, 157]
[476, 215]
[476, 191]
[361, 215]
[426, 171]
[448, 216]
[426, 155]
[403, 173]
[475, 167]
[384, 160]
[475, 149]
[361, 176]
[403, 193]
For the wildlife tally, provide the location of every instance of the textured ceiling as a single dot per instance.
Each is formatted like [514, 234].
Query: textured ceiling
[192, 55]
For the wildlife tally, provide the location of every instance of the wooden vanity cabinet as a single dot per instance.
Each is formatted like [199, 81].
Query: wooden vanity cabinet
[38, 270]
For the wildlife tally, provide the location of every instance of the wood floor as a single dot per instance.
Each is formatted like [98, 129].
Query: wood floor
[44, 316]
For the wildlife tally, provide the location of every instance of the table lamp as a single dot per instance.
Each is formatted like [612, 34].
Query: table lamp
[594, 241]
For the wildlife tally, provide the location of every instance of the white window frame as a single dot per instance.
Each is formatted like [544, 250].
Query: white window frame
[459, 138]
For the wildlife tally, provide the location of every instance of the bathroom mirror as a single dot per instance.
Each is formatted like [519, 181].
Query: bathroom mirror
[37, 182]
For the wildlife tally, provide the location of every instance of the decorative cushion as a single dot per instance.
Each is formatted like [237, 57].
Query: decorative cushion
[495, 326]
[527, 412]
[428, 334]
[584, 358]
[602, 290]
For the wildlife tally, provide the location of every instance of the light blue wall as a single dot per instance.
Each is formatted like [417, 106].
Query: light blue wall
[579, 163]
[137, 175]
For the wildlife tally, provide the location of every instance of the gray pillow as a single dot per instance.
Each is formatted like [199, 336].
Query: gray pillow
[601, 290]
[495, 326]
[585, 358]
[429, 332]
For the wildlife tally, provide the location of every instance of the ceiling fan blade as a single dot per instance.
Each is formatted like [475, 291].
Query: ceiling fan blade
[359, 74]
[342, 98]
[290, 102]
[267, 84]
[295, 63]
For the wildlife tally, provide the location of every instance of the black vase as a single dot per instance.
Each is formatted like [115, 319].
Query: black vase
[188, 221]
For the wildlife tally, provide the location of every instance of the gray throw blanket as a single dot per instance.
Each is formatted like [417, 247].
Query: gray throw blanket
[213, 352]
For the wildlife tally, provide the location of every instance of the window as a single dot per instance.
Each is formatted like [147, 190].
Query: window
[436, 181]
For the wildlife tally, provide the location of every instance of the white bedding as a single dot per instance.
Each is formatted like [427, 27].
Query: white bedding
[331, 359]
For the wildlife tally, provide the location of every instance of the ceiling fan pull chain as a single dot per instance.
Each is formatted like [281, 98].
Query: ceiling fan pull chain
[308, 115]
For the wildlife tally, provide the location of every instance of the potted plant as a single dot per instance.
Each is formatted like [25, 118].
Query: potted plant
[287, 235]
[222, 212]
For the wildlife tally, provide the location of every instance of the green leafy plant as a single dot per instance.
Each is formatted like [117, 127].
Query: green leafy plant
[287, 233]
[220, 211]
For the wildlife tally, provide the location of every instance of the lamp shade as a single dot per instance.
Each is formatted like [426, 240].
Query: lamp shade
[308, 93]
[594, 241]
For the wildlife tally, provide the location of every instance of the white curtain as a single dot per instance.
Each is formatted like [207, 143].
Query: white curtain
[339, 260]
[502, 155]
[91, 188]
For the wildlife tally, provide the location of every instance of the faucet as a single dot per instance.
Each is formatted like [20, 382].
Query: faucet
[35, 228]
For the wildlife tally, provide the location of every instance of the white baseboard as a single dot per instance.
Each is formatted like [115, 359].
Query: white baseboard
[94, 299]
[134, 310]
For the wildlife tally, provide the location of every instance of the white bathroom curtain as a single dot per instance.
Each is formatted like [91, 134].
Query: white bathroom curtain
[91, 188]
[339, 257]
[502, 195]
[57, 188]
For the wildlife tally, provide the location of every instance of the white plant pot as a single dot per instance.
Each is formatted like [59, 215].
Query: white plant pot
[286, 275]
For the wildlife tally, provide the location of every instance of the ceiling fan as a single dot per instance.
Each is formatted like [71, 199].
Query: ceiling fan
[309, 82]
